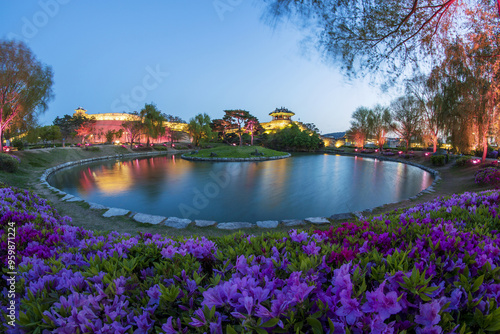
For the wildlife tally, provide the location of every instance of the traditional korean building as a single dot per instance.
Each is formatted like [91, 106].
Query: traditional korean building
[281, 117]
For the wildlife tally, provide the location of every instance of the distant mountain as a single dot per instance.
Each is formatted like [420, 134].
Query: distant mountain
[335, 135]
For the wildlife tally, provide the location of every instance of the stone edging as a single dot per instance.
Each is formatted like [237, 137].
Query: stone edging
[179, 223]
[186, 157]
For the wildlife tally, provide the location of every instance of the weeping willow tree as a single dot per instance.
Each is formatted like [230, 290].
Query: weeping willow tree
[25, 87]
[386, 37]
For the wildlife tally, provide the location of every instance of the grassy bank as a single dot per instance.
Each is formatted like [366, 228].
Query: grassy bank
[228, 151]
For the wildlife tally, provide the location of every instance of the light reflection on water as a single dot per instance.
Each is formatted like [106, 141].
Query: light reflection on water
[306, 185]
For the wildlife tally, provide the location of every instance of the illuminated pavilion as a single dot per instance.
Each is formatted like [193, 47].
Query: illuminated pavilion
[281, 117]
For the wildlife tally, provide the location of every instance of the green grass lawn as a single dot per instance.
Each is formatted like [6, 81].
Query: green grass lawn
[228, 151]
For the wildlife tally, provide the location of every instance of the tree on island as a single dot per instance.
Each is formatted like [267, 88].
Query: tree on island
[238, 119]
[199, 129]
[253, 127]
[25, 85]
[221, 127]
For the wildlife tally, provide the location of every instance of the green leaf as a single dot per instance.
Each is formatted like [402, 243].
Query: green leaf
[316, 325]
[477, 283]
[270, 323]
[230, 330]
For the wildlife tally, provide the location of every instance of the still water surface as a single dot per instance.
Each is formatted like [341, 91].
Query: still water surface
[305, 185]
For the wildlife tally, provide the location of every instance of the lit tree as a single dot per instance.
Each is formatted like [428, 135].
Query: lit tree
[68, 124]
[133, 127]
[406, 112]
[252, 126]
[360, 126]
[239, 119]
[85, 131]
[379, 123]
[311, 127]
[175, 136]
[427, 90]
[153, 121]
[25, 85]
[220, 126]
[199, 128]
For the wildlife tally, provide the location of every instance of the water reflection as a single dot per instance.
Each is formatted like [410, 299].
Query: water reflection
[299, 187]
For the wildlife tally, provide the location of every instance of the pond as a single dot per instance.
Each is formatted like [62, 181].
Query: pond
[305, 185]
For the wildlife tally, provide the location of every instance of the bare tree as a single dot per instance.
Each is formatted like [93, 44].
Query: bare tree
[379, 123]
[427, 90]
[406, 113]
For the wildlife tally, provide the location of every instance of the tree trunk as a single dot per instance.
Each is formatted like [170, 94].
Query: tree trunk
[251, 140]
[1, 140]
[485, 147]
[241, 139]
[434, 143]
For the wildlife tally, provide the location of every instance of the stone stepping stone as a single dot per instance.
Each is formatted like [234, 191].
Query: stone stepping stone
[318, 220]
[95, 206]
[204, 223]
[67, 197]
[112, 212]
[293, 222]
[75, 199]
[234, 225]
[148, 219]
[268, 223]
[177, 222]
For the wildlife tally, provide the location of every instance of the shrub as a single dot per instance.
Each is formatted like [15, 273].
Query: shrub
[18, 143]
[160, 148]
[463, 161]
[292, 138]
[91, 148]
[8, 163]
[490, 164]
[488, 176]
[438, 160]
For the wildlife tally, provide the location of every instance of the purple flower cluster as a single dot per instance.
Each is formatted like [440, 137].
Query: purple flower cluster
[433, 268]
[488, 176]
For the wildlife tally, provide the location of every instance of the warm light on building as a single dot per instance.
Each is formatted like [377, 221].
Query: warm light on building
[281, 118]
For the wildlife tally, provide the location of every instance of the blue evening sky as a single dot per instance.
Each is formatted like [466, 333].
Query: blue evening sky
[185, 56]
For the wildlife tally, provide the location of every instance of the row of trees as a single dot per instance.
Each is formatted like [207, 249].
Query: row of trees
[457, 101]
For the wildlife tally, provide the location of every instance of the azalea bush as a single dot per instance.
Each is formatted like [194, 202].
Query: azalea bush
[488, 176]
[433, 268]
